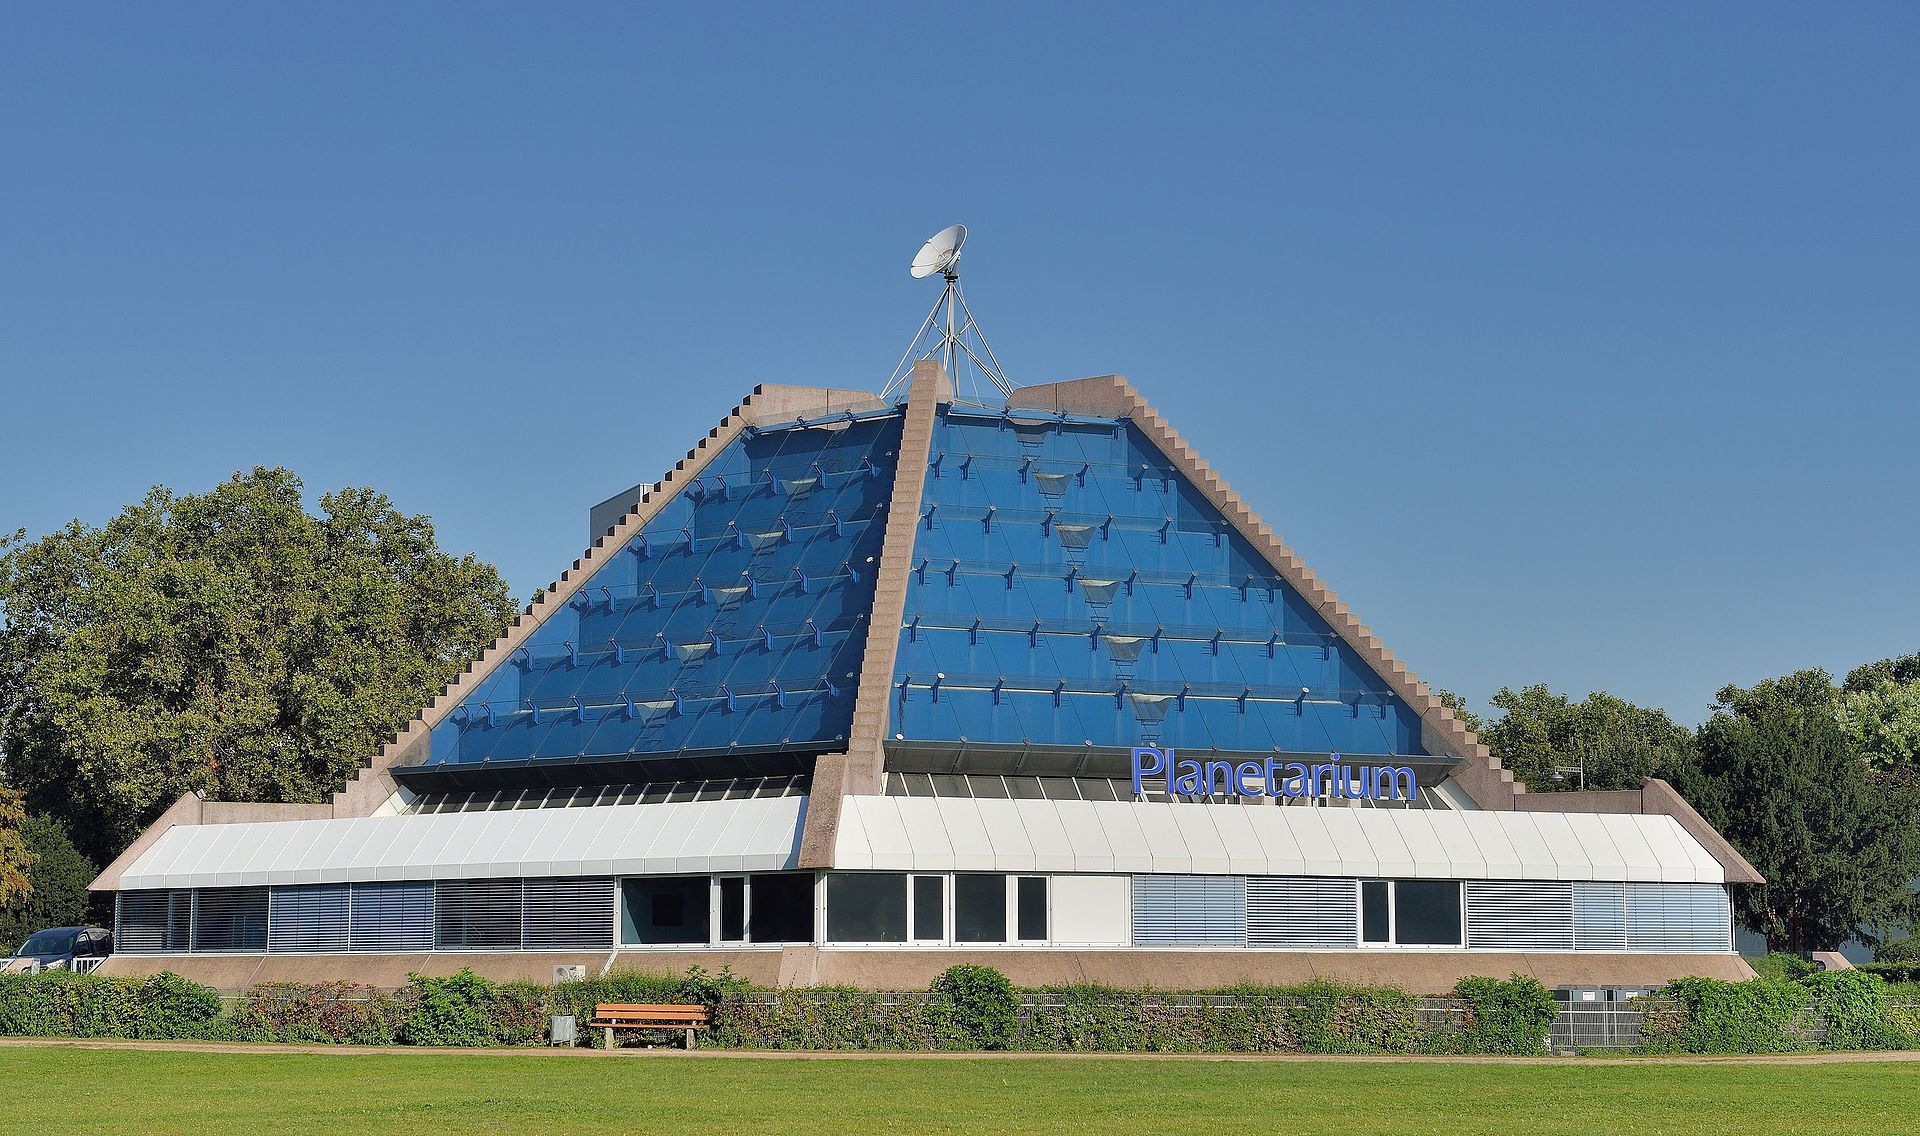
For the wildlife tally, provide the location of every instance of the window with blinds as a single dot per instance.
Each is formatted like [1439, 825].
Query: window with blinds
[230, 919]
[1190, 910]
[568, 913]
[1519, 915]
[311, 918]
[153, 922]
[1599, 916]
[1678, 917]
[1302, 911]
[392, 917]
[477, 915]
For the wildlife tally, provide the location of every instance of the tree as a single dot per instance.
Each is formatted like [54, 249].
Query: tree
[230, 643]
[60, 876]
[1617, 744]
[1837, 843]
[1882, 722]
[16, 856]
[1902, 670]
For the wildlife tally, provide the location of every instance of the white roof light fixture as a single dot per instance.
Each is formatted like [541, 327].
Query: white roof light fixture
[947, 341]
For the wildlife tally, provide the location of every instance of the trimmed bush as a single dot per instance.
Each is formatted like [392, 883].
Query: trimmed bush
[983, 1003]
[466, 1010]
[1713, 1016]
[58, 1003]
[337, 1013]
[1514, 1016]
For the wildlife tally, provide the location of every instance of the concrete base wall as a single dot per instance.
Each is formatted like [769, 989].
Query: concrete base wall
[1422, 972]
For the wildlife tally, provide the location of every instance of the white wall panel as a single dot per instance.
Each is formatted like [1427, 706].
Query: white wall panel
[1091, 910]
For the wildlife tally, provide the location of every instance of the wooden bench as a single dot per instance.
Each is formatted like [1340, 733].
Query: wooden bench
[611, 1016]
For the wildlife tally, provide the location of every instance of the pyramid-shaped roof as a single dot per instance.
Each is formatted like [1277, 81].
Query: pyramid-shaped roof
[1040, 584]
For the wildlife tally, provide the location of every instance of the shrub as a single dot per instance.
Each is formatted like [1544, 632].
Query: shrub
[1503, 1017]
[983, 1003]
[1778, 967]
[1853, 1005]
[1714, 1016]
[694, 988]
[1332, 1017]
[337, 1013]
[467, 1010]
[1904, 949]
[59, 1003]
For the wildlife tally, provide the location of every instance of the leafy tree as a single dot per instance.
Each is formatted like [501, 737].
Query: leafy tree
[16, 856]
[228, 642]
[1902, 670]
[60, 876]
[1618, 744]
[1836, 842]
[1882, 722]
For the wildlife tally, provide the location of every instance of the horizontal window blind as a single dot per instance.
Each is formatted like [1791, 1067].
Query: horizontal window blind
[1302, 911]
[308, 918]
[230, 919]
[392, 916]
[1678, 917]
[1190, 910]
[152, 922]
[576, 912]
[1519, 915]
[1599, 916]
[477, 915]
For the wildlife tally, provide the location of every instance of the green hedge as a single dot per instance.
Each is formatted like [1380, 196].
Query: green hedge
[970, 1008]
[58, 1003]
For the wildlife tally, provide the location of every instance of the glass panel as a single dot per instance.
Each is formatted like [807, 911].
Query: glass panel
[733, 909]
[1032, 898]
[782, 909]
[980, 909]
[866, 907]
[1426, 913]
[1373, 911]
[664, 909]
[929, 908]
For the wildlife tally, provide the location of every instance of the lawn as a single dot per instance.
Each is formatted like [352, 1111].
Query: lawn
[54, 1089]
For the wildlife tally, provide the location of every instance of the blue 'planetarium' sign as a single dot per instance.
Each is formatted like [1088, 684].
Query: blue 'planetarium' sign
[1186, 777]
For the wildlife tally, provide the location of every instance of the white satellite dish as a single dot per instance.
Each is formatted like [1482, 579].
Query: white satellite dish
[940, 252]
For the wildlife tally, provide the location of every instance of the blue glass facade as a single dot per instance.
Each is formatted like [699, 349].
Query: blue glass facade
[734, 623]
[1069, 588]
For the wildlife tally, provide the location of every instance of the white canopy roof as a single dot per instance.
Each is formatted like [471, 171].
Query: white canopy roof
[752, 835]
[967, 834]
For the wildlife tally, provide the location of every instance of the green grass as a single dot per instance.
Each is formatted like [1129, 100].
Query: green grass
[53, 1089]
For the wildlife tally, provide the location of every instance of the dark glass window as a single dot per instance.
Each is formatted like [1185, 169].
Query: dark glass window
[1426, 913]
[1032, 901]
[664, 909]
[733, 909]
[1374, 901]
[782, 909]
[866, 907]
[929, 908]
[980, 909]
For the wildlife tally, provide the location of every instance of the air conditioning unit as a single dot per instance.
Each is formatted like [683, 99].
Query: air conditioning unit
[572, 973]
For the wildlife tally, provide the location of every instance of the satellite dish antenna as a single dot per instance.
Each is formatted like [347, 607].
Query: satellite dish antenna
[941, 254]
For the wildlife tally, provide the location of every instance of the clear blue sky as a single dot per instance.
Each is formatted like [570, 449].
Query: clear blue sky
[1570, 344]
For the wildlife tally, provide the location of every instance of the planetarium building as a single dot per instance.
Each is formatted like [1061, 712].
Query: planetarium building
[867, 686]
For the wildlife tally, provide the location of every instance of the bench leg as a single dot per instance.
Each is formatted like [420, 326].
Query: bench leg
[609, 1037]
[689, 1038]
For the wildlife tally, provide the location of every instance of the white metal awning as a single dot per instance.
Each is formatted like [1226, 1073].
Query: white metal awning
[752, 835]
[937, 834]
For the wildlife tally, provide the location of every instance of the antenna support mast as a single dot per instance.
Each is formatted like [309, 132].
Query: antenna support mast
[941, 254]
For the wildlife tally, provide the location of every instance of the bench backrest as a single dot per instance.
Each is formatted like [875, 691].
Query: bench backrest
[649, 1010]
